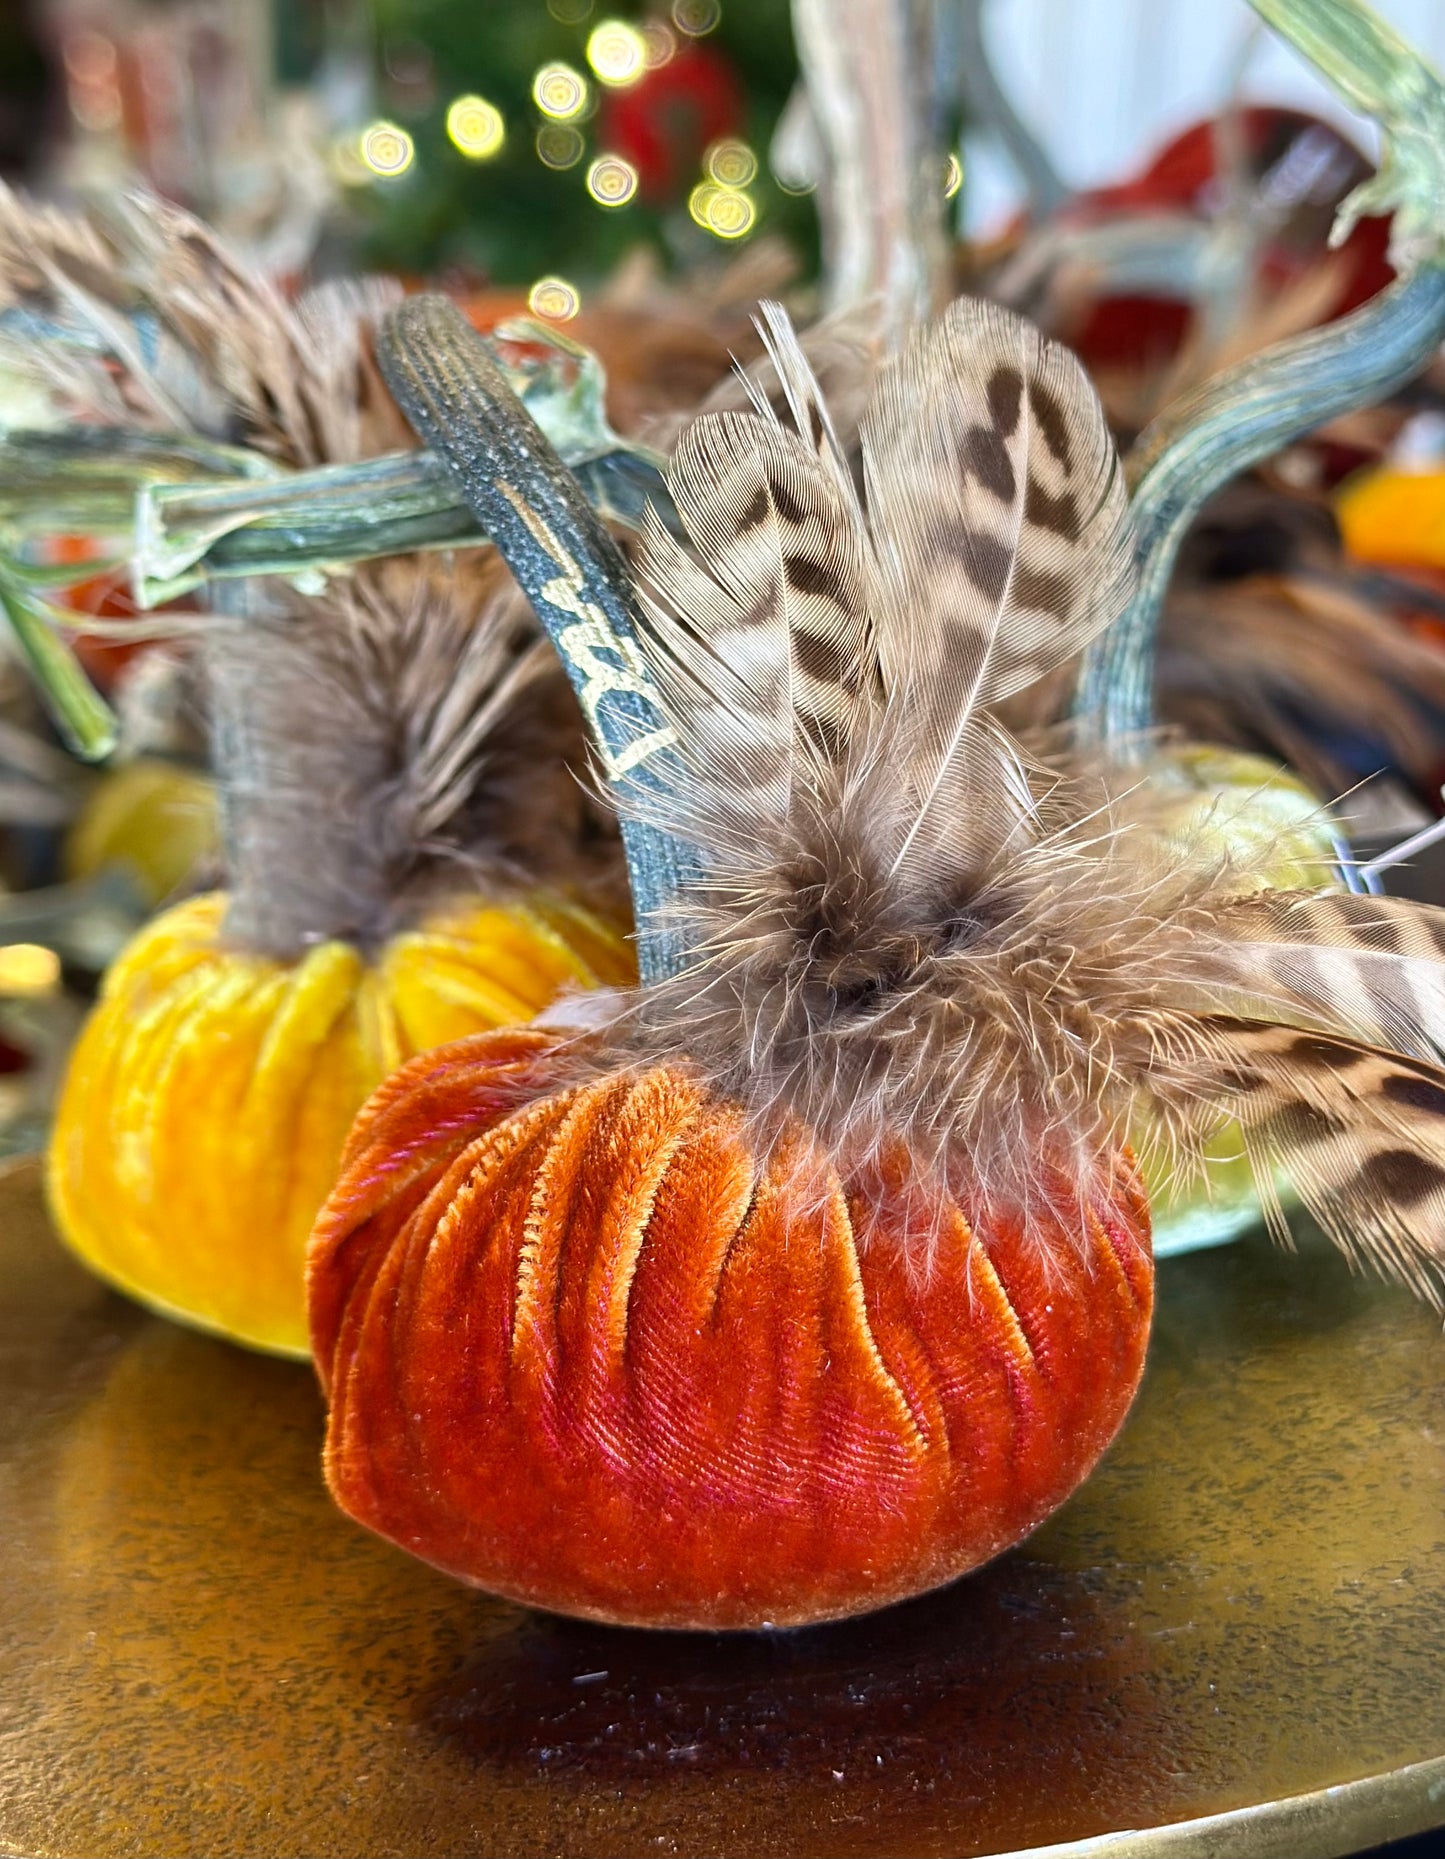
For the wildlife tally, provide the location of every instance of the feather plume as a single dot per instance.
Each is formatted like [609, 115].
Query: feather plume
[914, 932]
[405, 734]
[1359, 1131]
[1371, 965]
[153, 320]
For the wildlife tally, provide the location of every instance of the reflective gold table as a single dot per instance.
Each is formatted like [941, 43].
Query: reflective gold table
[1242, 1615]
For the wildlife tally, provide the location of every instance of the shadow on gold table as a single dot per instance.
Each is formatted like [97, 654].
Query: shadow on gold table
[1242, 1615]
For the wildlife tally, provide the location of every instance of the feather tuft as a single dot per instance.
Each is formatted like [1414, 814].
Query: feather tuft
[151, 319]
[914, 932]
[413, 745]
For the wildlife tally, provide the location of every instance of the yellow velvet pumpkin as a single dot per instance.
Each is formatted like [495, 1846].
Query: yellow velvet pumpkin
[155, 818]
[209, 1095]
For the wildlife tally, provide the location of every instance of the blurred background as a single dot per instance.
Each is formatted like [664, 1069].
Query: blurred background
[419, 136]
[510, 141]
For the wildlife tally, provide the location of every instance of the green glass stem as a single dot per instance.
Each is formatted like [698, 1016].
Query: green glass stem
[1242, 416]
[334, 515]
[192, 514]
[86, 722]
[461, 406]
[1375, 71]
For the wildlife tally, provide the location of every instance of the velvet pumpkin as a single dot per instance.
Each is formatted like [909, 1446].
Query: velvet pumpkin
[154, 818]
[1278, 832]
[211, 1090]
[584, 1349]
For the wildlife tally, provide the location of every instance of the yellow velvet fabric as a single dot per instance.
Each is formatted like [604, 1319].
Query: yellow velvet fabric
[156, 819]
[211, 1090]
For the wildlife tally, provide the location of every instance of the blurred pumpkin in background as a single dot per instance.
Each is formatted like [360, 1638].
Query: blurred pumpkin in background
[212, 1088]
[154, 818]
[405, 853]
[1394, 515]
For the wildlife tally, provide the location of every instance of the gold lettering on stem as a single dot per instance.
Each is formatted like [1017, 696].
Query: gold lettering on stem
[606, 664]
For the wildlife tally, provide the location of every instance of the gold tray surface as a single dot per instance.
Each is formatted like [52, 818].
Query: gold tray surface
[1242, 1614]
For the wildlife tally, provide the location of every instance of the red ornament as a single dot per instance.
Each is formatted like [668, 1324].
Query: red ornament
[663, 123]
[1184, 178]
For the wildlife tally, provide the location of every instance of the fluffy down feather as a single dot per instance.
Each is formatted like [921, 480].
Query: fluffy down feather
[385, 744]
[909, 927]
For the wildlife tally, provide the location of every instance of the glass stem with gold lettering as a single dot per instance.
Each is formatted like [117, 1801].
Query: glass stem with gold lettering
[441, 373]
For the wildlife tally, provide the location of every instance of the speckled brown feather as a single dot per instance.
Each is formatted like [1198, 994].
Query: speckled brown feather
[908, 925]
[1358, 1130]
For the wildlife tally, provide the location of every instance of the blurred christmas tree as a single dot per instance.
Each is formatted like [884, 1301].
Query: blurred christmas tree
[520, 138]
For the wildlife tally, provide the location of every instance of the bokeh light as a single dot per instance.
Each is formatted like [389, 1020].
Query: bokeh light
[731, 214]
[731, 163]
[387, 149]
[952, 177]
[28, 968]
[725, 212]
[555, 299]
[659, 44]
[476, 127]
[611, 181]
[617, 52]
[695, 17]
[559, 145]
[559, 92]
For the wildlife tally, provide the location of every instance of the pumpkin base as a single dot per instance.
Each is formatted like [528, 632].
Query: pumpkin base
[584, 1349]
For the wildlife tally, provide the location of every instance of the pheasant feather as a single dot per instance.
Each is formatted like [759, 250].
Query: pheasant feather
[910, 929]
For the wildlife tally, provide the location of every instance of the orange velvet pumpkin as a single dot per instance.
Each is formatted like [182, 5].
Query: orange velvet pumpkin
[583, 1349]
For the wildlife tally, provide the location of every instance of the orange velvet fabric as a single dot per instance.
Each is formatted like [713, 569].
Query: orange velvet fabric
[582, 1351]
